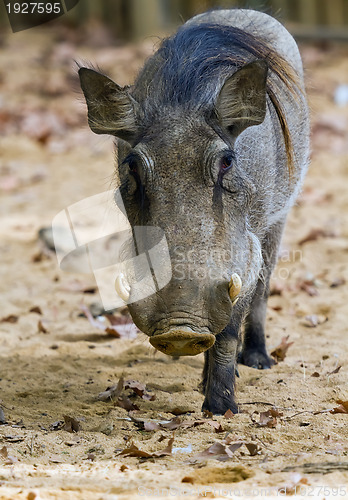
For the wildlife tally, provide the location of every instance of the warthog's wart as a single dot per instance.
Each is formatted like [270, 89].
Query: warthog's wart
[212, 143]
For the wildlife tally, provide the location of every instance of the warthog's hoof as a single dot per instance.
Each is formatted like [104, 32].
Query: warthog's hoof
[219, 406]
[256, 359]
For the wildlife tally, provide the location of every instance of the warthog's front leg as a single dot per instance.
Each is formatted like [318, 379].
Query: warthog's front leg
[220, 368]
[254, 351]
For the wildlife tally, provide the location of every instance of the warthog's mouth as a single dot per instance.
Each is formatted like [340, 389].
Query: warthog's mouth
[182, 341]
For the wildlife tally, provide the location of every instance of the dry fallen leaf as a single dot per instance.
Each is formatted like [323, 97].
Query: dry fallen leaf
[71, 424]
[35, 309]
[124, 402]
[134, 451]
[139, 390]
[337, 282]
[127, 330]
[118, 319]
[93, 321]
[56, 426]
[217, 450]
[77, 286]
[33, 495]
[342, 408]
[42, 328]
[11, 318]
[151, 426]
[172, 424]
[314, 320]
[276, 287]
[315, 234]
[309, 286]
[117, 329]
[41, 255]
[188, 479]
[216, 426]
[167, 450]
[336, 370]
[279, 353]
[112, 392]
[221, 451]
[253, 448]
[40, 125]
[268, 418]
[229, 414]
[9, 459]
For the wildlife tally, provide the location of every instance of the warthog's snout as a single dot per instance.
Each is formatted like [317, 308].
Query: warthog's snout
[182, 341]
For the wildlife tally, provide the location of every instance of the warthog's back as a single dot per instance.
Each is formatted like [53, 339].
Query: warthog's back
[260, 25]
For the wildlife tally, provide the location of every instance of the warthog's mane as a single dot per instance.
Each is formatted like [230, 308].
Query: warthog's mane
[190, 68]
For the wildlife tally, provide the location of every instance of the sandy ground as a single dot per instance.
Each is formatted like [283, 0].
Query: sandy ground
[54, 363]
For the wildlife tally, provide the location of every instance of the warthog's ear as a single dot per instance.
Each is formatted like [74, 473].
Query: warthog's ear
[111, 110]
[242, 99]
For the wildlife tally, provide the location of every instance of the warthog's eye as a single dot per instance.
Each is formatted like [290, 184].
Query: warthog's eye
[133, 163]
[226, 162]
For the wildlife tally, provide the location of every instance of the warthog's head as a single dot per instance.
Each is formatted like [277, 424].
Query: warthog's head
[178, 171]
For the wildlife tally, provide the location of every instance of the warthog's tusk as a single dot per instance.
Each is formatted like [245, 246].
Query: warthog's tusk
[234, 287]
[122, 287]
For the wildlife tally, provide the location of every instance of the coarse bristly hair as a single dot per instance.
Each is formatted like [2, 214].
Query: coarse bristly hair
[190, 67]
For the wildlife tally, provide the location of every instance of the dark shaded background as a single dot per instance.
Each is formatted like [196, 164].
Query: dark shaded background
[133, 19]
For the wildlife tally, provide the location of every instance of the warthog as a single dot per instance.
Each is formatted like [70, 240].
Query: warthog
[213, 143]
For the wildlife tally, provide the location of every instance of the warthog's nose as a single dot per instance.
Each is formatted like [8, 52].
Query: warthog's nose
[182, 342]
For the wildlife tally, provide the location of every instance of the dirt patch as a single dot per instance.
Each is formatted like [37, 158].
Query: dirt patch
[211, 475]
[57, 439]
